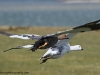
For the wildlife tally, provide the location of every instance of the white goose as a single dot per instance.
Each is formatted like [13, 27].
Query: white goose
[61, 46]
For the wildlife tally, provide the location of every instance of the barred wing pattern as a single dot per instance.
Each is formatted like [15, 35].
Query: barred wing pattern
[22, 36]
[83, 28]
[20, 47]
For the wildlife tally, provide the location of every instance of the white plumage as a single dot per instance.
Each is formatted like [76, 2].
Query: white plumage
[62, 46]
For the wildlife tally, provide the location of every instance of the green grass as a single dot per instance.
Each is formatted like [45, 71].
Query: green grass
[86, 62]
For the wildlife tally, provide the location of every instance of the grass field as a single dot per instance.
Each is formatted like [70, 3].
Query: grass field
[86, 62]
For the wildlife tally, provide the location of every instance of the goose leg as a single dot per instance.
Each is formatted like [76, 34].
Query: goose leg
[45, 59]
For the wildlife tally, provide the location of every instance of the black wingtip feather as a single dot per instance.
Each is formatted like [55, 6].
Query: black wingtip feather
[92, 25]
[4, 33]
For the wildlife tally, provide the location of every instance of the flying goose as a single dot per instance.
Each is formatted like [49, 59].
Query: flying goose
[57, 43]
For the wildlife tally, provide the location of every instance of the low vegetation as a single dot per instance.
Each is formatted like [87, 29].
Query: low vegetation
[86, 62]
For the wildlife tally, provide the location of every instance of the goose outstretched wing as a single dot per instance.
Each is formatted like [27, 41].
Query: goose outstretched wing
[83, 28]
[22, 36]
[20, 47]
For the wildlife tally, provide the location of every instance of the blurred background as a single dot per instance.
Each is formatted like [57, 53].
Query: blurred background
[48, 12]
[43, 17]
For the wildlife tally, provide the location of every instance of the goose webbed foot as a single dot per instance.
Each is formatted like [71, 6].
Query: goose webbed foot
[44, 60]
